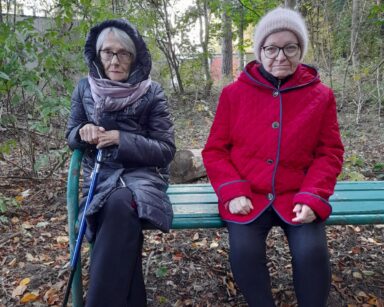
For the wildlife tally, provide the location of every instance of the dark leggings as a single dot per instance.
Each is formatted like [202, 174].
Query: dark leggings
[116, 278]
[310, 260]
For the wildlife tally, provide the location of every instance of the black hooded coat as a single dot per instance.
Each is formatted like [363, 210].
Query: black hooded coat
[140, 161]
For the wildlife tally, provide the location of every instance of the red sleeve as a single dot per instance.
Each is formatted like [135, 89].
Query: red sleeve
[321, 177]
[216, 156]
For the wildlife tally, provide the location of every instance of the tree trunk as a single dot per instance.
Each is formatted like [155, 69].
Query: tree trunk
[379, 73]
[290, 4]
[187, 166]
[204, 40]
[14, 13]
[226, 45]
[354, 33]
[164, 39]
[240, 33]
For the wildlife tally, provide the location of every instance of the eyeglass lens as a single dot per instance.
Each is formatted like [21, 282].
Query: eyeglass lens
[289, 50]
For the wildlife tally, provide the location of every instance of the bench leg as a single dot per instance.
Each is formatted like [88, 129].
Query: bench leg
[77, 287]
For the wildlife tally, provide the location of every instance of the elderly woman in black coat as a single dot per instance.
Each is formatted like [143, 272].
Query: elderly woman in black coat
[119, 110]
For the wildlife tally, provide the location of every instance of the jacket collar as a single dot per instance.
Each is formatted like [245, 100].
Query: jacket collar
[272, 79]
[303, 76]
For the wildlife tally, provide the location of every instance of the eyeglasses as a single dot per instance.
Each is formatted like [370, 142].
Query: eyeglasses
[272, 52]
[123, 56]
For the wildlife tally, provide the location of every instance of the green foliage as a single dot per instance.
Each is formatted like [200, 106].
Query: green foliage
[37, 66]
[7, 146]
[376, 14]
[352, 167]
[5, 204]
[161, 272]
[378, 167]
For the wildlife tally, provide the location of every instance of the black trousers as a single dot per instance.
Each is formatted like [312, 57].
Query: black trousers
[116, 277]
[310, 260]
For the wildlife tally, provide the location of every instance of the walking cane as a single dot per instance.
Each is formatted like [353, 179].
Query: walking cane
[83, 226]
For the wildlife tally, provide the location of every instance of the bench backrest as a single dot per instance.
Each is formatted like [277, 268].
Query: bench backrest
[195, 205]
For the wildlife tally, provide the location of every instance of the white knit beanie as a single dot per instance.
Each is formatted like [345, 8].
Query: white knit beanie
[280, 19]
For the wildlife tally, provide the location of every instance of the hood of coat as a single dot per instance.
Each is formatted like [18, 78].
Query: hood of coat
[141, 67]
[304, 75]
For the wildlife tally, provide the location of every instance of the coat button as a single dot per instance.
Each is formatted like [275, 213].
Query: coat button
[270, 161]
[270, 196]
[275, 93]
[275, 125]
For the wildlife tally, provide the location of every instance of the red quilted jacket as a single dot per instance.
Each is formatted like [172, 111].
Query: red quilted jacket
[276, 146]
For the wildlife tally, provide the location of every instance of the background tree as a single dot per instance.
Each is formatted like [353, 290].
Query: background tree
[290, 3]
[226, 42]
[204, 21]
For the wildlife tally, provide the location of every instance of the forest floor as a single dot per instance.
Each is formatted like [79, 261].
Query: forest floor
[187, 267]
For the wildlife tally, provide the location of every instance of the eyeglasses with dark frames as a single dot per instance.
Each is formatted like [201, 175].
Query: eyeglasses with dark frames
[123, 56]
[289, 50]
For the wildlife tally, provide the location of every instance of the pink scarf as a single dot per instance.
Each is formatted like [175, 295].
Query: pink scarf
[112, 96]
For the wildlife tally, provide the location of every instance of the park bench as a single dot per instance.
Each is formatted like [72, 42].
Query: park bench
[195, 206]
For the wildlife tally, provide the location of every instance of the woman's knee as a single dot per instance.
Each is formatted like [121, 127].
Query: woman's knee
[246, 245]
[119, 205]
[310, 252]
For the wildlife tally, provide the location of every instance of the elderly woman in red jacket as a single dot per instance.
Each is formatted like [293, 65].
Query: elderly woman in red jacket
[273, 155]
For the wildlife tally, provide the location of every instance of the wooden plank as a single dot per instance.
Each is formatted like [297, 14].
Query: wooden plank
[193, 222]
[340, 186]
[345, 209]
[353, 195]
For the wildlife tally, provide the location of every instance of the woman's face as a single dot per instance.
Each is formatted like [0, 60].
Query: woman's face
[281, 66]
[115, 58]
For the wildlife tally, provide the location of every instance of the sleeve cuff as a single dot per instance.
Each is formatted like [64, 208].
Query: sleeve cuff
[230, 190]
[319, 205]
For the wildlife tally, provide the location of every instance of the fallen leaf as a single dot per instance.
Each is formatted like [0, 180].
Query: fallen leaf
[51, 296]
[25, 281]
[357, 275]
[19, 290]
[336, 278]
[42, 224]
[26, 193]
[177, 256]
[62, 239]
[27, 225]
[214, 244]
[12, 263]
[368, 273]
[29, 297]
[29, 257]
[362, 294]
[356, 250]
[19, 198]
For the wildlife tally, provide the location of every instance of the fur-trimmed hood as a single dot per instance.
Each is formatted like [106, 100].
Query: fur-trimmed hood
[143, 63]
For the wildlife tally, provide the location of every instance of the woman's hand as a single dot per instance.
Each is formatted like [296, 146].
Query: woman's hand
[240, 205]
[107, 138]
[304, 214]
[89, 133]
[98, 135]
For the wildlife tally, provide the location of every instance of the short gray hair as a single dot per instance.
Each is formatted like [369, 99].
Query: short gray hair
[121, 36]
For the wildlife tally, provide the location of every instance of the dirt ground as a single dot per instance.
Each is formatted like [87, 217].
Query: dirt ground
[188, 267]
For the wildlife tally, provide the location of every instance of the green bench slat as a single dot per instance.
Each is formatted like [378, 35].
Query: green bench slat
[341, 186]
[337, 209]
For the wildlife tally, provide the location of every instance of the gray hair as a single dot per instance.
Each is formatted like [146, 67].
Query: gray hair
[121, 36]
